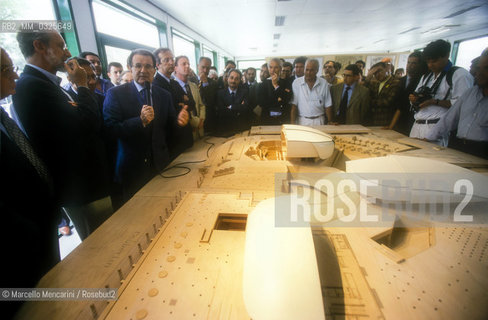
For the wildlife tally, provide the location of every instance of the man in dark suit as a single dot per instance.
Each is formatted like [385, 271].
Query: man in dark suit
[233, 108]
[187, 94]
[208, 92]
[253, 88]
[57, 124]
[274, 96]
[28, 208]
[102, 84]
[221, 82]
[91, 81]
[165, 63]
[350, 100]
[141, 121]
[403, 118]
[100, 148]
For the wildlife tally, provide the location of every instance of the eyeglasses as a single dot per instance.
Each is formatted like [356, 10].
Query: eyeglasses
[139, 66]
[6, 68]
[347, 75]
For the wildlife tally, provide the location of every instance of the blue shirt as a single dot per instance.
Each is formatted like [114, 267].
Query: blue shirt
[105, 84]
[469, 114]
[182, 84]
[349, 93]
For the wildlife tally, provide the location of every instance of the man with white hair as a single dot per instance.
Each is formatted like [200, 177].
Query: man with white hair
[274, 96]
[311, 97]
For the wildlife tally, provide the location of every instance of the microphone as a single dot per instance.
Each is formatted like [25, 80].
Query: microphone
[147, 87]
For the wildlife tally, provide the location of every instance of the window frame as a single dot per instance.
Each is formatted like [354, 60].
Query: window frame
[103, 39]
[456, 44]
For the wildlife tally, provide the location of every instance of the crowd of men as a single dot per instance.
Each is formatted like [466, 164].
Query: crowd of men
[82, 151]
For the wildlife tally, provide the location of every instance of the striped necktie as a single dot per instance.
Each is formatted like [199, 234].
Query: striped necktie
[24, 145]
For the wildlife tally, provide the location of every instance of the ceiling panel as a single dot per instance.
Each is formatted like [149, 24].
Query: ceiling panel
[246, 28]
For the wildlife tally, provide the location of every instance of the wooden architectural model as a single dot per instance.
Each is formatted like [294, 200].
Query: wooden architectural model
[206, 246]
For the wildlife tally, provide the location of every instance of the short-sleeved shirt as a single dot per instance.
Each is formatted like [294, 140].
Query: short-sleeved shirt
[311, 102]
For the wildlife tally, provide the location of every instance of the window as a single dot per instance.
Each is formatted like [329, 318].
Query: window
[119, 55]
[22, 10]
[121, 29]
[256, 64]
[184, 46]
[221, 66]
[117, 23]
[208, 53]
[467, 50]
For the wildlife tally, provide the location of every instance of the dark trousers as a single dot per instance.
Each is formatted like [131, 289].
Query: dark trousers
[476, 148]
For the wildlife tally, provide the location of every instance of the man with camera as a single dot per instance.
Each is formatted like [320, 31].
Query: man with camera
[438, 90]
[469, 115]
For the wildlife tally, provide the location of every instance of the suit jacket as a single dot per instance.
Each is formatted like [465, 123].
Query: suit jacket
[163, 83]
[358, 106]
[57, 128]
[95, 148]
[272, 100]
[209, 97]
[142, 151]
[185, 140]
[253, 92]
[237, 118]
[201, 112]
[27, 206]
[383, 102]
[406, 120]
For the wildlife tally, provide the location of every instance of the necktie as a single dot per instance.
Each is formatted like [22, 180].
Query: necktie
[341, 118]
[143, 95]
[232, 96]
[24, 145]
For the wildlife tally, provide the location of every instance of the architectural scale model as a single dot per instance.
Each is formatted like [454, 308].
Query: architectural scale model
[209, 244]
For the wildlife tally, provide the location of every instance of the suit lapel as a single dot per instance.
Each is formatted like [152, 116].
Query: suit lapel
[354, 95]
[195, 94]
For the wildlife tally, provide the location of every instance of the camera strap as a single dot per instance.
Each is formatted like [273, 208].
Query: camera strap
[437, 82]
[449, 73]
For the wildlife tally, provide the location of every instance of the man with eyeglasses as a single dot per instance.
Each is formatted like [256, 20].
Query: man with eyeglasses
[57, 124]
[350, 100]
[141, 117]
[29, 211]
[274, 96]
[208, 92]
[331, 68]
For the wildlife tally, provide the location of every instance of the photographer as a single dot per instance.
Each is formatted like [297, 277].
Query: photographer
[437, 90]
[469, 115]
